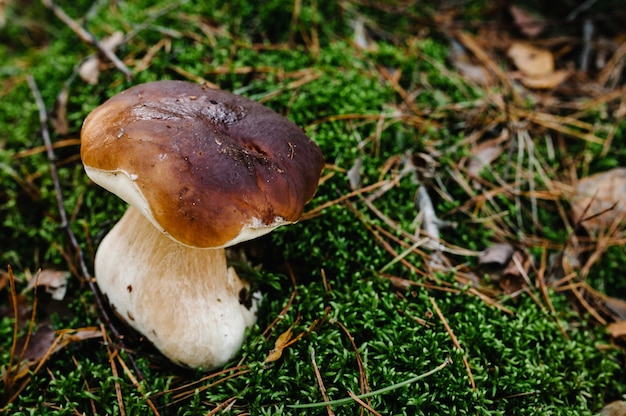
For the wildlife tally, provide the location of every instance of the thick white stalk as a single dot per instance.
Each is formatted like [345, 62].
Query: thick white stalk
[186, 301]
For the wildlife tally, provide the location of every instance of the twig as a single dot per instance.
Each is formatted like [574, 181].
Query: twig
[455, 341]
[87, 37]
[118, 389]
[365, 388]
[320, 383]
[363, 404]
[83, 270]
[222, 406]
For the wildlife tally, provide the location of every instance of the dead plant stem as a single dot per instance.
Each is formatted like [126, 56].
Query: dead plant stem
[83, 270]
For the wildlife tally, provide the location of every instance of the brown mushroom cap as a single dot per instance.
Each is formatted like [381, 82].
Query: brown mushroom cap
[203, 165]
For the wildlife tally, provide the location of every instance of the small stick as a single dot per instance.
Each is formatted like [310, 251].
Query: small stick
[320, 382]
[83, 270]
[455, 341]
[363, 404]
[87, 37]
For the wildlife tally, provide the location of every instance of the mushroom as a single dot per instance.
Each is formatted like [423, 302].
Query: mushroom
[202, 169]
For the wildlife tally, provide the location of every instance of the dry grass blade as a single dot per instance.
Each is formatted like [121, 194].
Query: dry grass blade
[83, 270]
[320, 383]
[365, 388]
[118, 390]
[455, 341]
[222, 406]
[363, 404]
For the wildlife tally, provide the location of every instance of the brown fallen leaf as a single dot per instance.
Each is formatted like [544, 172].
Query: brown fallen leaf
[53, 281]
[536, 66]
[617, 329]
[89, 70]
[506, 265]
[531, 60]
[39, 343]
[497, 255]
[547, 81]
[600, 200]
[279, 345]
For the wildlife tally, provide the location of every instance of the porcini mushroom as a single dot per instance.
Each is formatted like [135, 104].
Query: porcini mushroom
[202, 169]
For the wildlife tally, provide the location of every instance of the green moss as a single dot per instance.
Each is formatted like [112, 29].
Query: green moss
[521, 363]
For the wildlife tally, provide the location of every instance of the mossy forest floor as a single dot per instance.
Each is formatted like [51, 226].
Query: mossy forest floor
[427, 127]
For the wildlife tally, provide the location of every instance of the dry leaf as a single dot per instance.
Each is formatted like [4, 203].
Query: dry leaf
[600, 200]
[279, 345]
[536, 66]
[530, 24]
[617, 329]
[497, 255]
[39, 343]
[547, 81]
[89, 71]
[531, 60]
[53, 281]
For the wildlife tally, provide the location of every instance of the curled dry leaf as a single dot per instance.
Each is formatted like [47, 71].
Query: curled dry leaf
[53, 281]
[617, 329]
[89, 71]
[531, 60]
[498, 255]
[506, 265]
[536, 66]
[600, 200]
[279, 345]
[360, 38]
[39, 343]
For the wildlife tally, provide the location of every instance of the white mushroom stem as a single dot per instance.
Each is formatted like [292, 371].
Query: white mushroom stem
[186, 301]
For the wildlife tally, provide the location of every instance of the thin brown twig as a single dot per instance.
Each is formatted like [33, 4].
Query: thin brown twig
[222, 406]
[133, 380]
[544, 291]
[320, 383]
[87, 37]
[83, 270]
[112, 356]
[363, 404]
[365, 388]
[455, 341]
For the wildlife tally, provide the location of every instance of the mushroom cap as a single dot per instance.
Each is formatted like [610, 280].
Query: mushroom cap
[207, 167]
